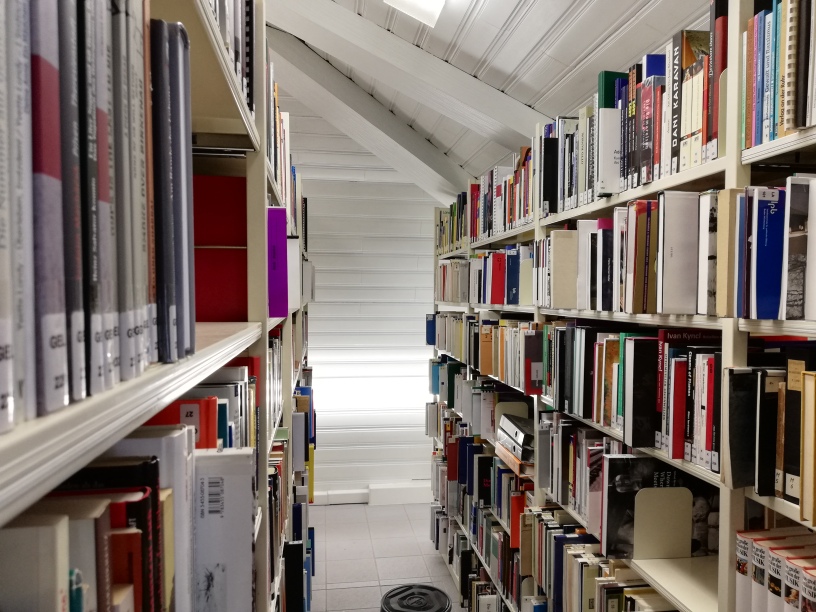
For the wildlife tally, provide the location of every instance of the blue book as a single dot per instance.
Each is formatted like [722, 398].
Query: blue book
[312, 544]
[297, 522]
[430, 329]
[310, 424]
[512, 272]
[464, 442]
[309, 567]
[742, 213]
[769, 232]
[759, 74]
[654, 64]
[470, 452]
[435, 365]
[558, 564]
[775, 67]
[223, 422]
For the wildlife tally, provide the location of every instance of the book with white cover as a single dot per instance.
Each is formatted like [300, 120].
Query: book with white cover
[224, 529]
[34, 563]
[619, 228]
[585, 228]
[173, 445]
[49, 269]
[18, 35]
[7, 379]
[608, 127]
[563, 268]
[88, 536]
[488, 603]
[810, 271]
[677, 253]
[297, 441]
[707, 256]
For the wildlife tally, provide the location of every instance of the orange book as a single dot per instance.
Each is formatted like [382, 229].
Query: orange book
[200, 413]
[126, 560]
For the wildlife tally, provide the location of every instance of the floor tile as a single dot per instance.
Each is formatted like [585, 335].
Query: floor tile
[395, 547]
[387, 585]
[390, 529]
[386, 513]
[353, 599]
[317, 515]
[318, 601]
[359, 571]
[421, 528]
[352, 585]
[418, 511]
[426, 547]
[402, 567]
[449, 587]
[345, 532]
[347, 550]
[319, 579]
[348, 513]
[437, 567]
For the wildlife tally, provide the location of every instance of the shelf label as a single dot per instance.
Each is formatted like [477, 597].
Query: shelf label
[190, 415]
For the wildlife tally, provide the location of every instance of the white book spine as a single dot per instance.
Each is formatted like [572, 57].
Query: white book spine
[743, 580]
[21, 230]
[810, 271]
[607, 127]
[7, 376]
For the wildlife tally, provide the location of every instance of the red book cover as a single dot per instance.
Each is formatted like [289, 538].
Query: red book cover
[126, 561]
[253, 365]
[200, 413]
[658, 129]
[709, 424]
[452, 453]
[646, 129]
[221, 287]
[498, 260]
[219, 211]
[720, 64]
[516, 508]
[678, 410]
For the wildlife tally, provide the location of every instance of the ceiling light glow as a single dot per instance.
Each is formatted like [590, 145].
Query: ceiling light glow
[426, 11]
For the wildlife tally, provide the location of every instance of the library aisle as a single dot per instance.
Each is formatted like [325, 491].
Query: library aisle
[370, 549]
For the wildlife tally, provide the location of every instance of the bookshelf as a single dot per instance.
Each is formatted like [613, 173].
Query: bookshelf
[229, 139]
[704, 583]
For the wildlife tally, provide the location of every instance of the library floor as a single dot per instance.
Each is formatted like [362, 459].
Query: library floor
[364, 551]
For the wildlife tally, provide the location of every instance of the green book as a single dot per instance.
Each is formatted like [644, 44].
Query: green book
[606, 87]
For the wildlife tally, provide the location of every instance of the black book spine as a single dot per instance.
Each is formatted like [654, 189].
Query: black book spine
[767, 407]
[606, 273]
[802, 61]
[638, 135]
[716, 431]
[163, 192]
[588, 371]
[72, 196]
[623, 134]
[549, 181]
[568, 354]
[676, 100]
[798, 361]
[293, 572]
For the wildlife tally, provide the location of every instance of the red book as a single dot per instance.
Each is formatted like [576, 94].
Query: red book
[720, 64]
[678, 410]
[200, 413]
[452, 452]
[516, 509]
[221, 287]
[253, 365]
[658, 130]
[499, 263]
[709, 424]
[220, 212]
[126, 561]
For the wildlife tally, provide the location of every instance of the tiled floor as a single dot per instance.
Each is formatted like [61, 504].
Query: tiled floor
[364, 551]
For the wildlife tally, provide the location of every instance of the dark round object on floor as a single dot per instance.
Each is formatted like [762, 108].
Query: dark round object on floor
[415, 598]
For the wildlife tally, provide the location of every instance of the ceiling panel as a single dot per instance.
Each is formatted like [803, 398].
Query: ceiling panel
[405, 108]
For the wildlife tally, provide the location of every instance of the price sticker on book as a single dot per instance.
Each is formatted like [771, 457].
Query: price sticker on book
[190, 416]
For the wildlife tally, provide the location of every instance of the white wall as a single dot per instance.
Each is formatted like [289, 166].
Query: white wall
[371, 244]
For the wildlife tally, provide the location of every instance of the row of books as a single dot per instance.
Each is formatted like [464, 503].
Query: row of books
[99, 277]
[502, 200]
[657, 119]
[777, 75]
[236, 23]
[507, 349]
[452, 225]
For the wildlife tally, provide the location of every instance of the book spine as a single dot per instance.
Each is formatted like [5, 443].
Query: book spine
[22, 225]
[72, 196]
[647, 131]
[151, 330]
[767, 78]
[789, 67]
[676, 101]
[138, 195]
[720, 61]
[94, 345]
[107, 210]
[750, 82]
[759, 77]
[49, 270]
[7, 378]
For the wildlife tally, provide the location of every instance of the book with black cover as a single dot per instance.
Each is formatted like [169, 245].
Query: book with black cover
[767, 411]
[799, 359]
[640, 419]
[167, 334]
[293, 576]
[741, 387]
[624, 476]
[549, 175]
[127, 473]
[691, 383]
[484, 467]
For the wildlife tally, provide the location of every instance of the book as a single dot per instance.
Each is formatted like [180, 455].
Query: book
[49, 268]
[564, 268]
[707, 256]
[768, 219]
[34, 562]
[127, 567]
[199, 413]
[677, 252]
[640, 420]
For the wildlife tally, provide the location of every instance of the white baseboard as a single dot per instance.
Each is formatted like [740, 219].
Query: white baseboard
[409, 492]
